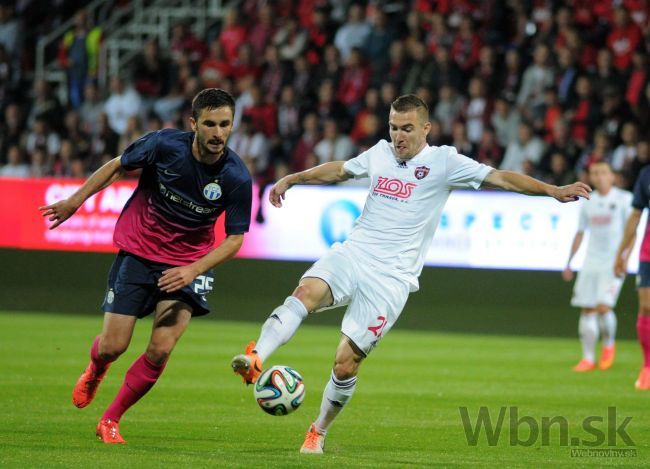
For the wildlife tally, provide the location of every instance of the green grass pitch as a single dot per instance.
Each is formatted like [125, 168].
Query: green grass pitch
[405, 411]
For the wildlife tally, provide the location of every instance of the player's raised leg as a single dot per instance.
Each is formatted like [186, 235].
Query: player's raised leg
[106, 348]
[337, 393]
[643, 330]
[588, 330]
[171, 319]
[607, 325]
[312, 293]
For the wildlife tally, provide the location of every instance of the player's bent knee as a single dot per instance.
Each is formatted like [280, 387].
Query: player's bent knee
[345, 370]
[111, 349]
[308, 296]
[158, 355]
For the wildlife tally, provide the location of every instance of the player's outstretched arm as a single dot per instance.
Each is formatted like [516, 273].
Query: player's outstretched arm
[567, 273]
[62, 210]
[516, 182]
[327, 173]
[627, 243]
[178, 277]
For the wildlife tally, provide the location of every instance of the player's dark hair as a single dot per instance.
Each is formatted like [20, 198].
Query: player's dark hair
[410, 102]
[212, 98]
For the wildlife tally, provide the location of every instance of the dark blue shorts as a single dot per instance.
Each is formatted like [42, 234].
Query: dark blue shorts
[133, 290]
[643, 276]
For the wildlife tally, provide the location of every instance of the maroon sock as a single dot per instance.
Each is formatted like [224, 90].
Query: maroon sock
[98, 363]
[643, 332]
[138, 380]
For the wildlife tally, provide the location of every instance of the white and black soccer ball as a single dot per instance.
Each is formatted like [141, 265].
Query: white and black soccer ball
[279, 390]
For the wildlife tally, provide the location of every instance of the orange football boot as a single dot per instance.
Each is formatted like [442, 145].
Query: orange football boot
[643, 381]
[314, 442]
[86, 388]
[584, 365]
[109, 432]
[607, 357]
[248, 365]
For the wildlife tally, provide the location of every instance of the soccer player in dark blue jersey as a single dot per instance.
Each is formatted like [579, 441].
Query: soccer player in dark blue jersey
[165, 234]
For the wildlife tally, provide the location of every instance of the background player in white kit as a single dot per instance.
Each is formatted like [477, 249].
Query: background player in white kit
[597, 287]
[379, 264]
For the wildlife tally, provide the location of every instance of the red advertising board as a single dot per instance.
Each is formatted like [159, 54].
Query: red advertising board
[90, 229]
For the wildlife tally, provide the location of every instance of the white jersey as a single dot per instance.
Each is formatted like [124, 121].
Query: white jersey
[405, 203]
[604, 216]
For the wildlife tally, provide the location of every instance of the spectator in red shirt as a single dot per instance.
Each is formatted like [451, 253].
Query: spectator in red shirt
[638, 79]
[233, 34]
[623, 39]
[438, 34]
[185, 45]
[319, 33]
[215, 68]
[262, 30]
[584, 114]
[244, 66]
[466, 45]
[262, 112]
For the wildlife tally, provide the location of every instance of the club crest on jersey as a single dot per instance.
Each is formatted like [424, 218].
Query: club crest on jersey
[421, 172]
[212, 191]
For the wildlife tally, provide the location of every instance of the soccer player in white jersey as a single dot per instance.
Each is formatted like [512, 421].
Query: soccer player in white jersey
[597, 287]
[374, 270]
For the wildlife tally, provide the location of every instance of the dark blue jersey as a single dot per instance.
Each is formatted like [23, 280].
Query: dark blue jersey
[171, 215]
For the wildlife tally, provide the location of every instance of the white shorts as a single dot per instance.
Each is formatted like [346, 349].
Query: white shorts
[375, 298]
[596, 288]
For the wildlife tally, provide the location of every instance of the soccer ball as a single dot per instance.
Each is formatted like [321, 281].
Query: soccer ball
[279, 390]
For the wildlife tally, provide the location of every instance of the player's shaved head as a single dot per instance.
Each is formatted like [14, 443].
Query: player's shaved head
[410, 102]
[212, 98]
[408, 125]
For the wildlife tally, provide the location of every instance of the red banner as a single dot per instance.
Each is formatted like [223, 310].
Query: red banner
[89, 229]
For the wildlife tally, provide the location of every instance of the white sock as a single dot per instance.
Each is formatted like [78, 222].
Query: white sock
[588, 329]
[280, 326]
[336, 394]
[607, 324]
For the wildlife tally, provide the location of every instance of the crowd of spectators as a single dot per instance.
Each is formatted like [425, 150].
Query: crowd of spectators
[540, 87]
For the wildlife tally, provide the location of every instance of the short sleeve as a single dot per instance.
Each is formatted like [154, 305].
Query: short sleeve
[583, 218]
[359, 165]
[464, 172]
[140, 153]
[238, 211]
[640, 200]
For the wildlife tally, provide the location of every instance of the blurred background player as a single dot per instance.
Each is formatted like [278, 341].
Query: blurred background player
[640, 201]
[166, 239]
[597, 288]
[374, 270]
